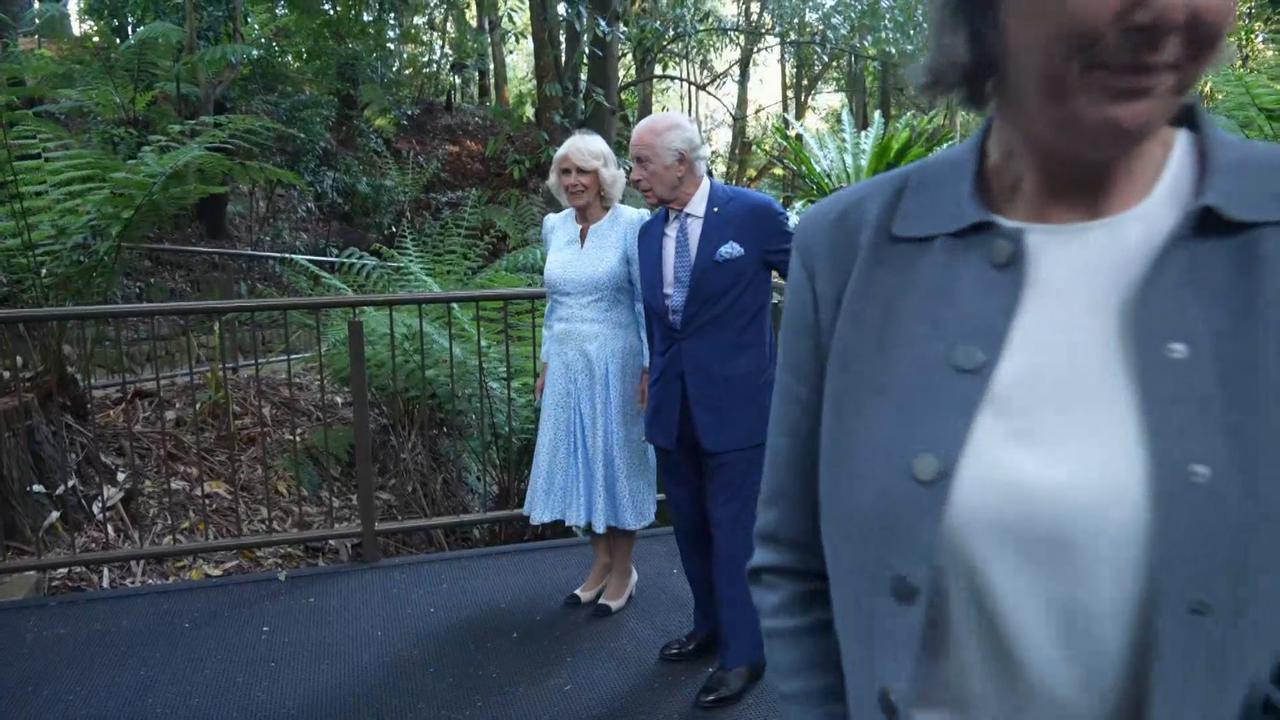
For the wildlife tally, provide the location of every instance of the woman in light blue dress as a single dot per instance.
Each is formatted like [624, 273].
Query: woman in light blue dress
[592, 468]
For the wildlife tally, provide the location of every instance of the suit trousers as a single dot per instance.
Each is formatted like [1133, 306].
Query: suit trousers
[712, 498]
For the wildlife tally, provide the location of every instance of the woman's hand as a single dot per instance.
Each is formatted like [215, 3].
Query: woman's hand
[643, 393]
[540, 384]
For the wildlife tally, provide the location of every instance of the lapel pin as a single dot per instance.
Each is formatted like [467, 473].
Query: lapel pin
[715, 210]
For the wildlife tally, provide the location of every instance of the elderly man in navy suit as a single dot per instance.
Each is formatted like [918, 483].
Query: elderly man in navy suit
[707, 259]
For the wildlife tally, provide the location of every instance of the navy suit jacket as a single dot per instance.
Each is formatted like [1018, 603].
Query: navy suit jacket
[722, 357]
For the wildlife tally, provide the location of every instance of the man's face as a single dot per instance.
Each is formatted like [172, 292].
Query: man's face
[653, 172]
[1105, 71]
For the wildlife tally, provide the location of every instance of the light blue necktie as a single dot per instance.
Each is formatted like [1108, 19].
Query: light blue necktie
[683, 269]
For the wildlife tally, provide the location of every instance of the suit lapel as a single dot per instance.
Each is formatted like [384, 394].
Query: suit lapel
[651, 263]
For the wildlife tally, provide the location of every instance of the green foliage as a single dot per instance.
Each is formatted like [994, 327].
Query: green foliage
[1248, 101]
[324, 452]
[1245, 96]
[817, 163]
[69, 206]
[471, 366]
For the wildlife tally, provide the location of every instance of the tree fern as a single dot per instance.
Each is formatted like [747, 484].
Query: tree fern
[470, 365]
[1248, 100]
[69, 207]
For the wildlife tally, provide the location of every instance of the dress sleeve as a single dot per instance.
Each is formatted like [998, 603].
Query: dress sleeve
[632, 241]
[548, 317]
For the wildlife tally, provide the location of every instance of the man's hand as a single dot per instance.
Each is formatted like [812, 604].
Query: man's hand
[643, 393]
[540, 384]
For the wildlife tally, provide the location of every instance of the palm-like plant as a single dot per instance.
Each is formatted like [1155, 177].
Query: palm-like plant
[820, 162]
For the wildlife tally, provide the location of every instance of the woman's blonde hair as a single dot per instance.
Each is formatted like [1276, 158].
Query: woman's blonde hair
[590, 152]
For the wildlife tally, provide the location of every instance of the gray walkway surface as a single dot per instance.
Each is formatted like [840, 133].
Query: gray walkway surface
[465, 635]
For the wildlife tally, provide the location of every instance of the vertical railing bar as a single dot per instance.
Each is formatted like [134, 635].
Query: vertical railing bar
[453, 383]
[533, 329]
[369, 550]
[422, 400]
[262, 424]
[65, 443]
[5, 352]
[483, 392]
[293, 422]
[93, 430]
[195, 423]
[324, 411]
[398, 469]
[129, 418]
[164, 431]
[20, 386]
[231, 426]
[233, 336]
[506, 341]
[395, 376]
[453, 387]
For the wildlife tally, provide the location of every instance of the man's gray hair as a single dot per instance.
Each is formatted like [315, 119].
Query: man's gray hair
[680, 135]
[964, 50]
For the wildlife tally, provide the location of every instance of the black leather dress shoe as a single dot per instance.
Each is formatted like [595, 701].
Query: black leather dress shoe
[726, 687]
[689, 646]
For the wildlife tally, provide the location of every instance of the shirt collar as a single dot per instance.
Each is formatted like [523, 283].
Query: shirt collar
[1237, 182]
[697, 206]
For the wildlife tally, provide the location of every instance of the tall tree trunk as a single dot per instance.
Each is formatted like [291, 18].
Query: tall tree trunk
[800, 63]
[493, 24]
[886, 91]
[483, 95]
[14, 10]
[54, 28]
[856, 91]
[646, 61]
[576, 35]
[739, 152]
[237, 21]
[211, 210]
[190, 27]
[545, 33]
[782, 67]
[602, 70]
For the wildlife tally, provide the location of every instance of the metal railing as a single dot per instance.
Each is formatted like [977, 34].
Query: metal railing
[143, 432]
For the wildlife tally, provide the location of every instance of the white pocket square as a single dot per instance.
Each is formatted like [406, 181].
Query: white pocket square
[729, 251]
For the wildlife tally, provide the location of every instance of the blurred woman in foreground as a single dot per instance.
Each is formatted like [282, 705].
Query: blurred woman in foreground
[1023, 457]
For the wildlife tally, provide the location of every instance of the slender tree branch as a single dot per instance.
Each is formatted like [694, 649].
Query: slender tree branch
[706, 89]
[783, 39]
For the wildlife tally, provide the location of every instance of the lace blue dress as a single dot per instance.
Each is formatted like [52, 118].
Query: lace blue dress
[592, 467]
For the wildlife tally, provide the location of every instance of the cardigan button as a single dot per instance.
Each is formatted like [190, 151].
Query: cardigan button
[927, 469]
[1177, 351]
[904, 591]
[1199, 474]
[1003, 253]
[967, 358]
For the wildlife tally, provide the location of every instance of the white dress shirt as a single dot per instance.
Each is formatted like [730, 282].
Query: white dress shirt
[696, 210]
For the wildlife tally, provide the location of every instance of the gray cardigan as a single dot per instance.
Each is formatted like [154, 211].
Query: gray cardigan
[900, 295]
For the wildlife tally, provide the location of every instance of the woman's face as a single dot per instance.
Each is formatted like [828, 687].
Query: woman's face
[1098, 75]
[581, 187]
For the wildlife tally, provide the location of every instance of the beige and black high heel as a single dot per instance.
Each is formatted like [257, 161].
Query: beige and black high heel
[585, 595]
[605, 608]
